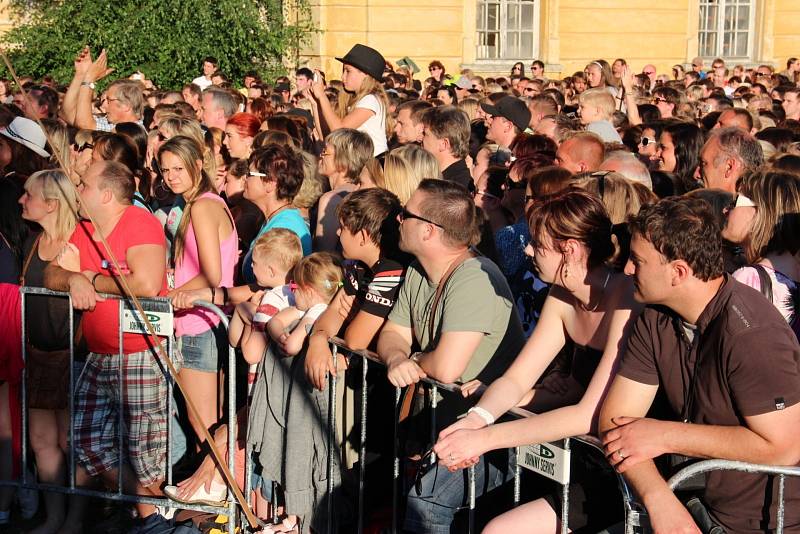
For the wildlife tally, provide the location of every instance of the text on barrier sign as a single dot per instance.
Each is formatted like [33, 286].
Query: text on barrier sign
[159, 314]
[548, 459]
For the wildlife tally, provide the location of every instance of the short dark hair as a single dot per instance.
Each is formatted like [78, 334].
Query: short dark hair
[683, 228]
[416, 109]
[46, 96]
[304, 71]
[119, 178]
[451, 123]
[282, 164]
[539, 63]
[449, 205]
[210, 59]
[373, 210]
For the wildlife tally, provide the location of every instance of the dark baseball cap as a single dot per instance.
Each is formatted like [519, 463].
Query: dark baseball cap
[511, 108]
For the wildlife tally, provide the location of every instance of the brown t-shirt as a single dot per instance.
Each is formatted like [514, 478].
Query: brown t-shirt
[747, 363]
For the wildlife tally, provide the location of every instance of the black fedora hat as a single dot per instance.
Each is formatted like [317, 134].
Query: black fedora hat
[365, 59]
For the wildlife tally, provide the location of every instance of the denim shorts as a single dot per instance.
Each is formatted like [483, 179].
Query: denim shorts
[202, 352]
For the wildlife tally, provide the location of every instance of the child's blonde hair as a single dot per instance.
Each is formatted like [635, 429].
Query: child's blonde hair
[320, 270]
[281, 245]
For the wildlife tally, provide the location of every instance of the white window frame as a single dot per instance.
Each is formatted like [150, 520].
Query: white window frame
[720, 30]
[482, 5]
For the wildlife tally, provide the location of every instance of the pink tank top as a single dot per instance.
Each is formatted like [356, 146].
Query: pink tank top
[196, 321]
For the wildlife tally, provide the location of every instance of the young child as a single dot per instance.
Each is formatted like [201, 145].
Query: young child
[277, 393]
[275, 254]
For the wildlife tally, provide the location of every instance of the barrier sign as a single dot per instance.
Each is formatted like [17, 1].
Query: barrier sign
[158, 313]
[548, 459]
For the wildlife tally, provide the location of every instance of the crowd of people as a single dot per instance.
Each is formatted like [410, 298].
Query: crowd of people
[615, 252]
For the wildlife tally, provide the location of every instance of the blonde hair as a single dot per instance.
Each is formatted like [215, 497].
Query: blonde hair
[280, 245]
[59, 142]
[313, 186]
[189, 152]
[321, 271]
[352, 150]
[54, 185]
[470, 107]
[599, 98]
[405, 167]
[620, 196]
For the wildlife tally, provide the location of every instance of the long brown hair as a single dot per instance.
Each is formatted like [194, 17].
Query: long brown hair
[574, 214]
[189, 152]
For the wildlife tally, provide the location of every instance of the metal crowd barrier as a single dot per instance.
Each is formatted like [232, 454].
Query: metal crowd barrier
[551, 460]
[706, 466]
[159, 312]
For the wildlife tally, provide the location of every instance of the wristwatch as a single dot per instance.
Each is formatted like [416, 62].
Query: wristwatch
[90, 85]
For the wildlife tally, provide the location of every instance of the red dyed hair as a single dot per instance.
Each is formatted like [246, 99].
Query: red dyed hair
[246, 124]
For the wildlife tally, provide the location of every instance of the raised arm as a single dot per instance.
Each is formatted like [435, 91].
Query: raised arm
[331, 120]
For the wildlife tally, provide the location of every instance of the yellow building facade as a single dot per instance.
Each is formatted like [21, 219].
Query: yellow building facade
[488, 36]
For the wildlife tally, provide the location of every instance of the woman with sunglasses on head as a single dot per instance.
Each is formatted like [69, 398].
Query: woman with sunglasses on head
[765, 221]
[518, 69]
[589, 304]
[368, 107]
[204, 254]
[80, 154]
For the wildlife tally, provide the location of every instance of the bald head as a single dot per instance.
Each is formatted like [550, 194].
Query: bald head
[582, 152]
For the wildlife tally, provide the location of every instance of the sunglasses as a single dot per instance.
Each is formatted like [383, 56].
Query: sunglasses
[80, 148]
[405, 214]
[423, 466]
[659, 100]
[510, 185]
[647, 141]
[251, 174]
[484, 194]
[162, 137]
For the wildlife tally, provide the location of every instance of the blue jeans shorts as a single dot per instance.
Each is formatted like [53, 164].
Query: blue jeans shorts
[203, 351]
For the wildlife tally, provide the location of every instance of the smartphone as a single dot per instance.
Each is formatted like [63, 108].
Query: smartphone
[317, 77]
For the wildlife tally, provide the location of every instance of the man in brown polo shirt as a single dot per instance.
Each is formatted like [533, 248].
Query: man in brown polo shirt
[728, 365]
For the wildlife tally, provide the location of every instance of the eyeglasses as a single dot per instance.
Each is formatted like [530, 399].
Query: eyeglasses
[405, 214]
[647, 141]
[431, 69]
[80, 148]
[660, 100]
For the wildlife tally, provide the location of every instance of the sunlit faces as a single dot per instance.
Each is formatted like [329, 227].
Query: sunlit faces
[588, 113]
[547, 261]
[81, 157]
[239, 146]
[710, 171]
[254, 185]
[665, 153]
[208, 69]
[352, 78]
[594, 75]
[647, 144]
[34, 206]
[115, 109]
[91, 196]
[652, 275]
[791, 105]
[351, 243]
[405, 129]
[430, 142]
[327, 162]
[740, 220]
[177, 177]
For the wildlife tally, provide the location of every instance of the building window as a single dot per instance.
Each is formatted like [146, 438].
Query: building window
[507, 29]
[726, 28]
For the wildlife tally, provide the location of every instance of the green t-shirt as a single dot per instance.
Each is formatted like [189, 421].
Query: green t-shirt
[476, 299]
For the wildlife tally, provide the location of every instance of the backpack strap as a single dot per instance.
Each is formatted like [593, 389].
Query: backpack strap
[765, 280]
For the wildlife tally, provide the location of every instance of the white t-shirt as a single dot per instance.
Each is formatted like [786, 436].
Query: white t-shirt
[202, 82]
[375, 126]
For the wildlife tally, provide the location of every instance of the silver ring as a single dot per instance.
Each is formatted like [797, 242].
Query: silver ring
[621, 455]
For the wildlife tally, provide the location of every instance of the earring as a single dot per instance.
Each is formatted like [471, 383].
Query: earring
[566, 272]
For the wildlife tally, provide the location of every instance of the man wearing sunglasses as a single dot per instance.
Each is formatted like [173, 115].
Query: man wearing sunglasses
[458, 309]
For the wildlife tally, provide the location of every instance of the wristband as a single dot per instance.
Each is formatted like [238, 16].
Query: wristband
[415, 356]
[213, 294]
[93, 279]
[483, 414]
[224, 295]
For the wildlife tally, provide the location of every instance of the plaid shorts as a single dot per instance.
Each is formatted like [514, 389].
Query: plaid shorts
[144, 406]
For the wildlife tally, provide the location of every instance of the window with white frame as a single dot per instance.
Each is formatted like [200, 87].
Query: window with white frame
[726, 28]
[507, 29]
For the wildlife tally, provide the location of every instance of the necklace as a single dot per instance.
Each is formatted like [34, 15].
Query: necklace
[602, 293]
[277, 210]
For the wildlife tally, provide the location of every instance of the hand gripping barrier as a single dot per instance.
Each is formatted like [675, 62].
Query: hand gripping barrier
[522, 455]
[159, 311]
[706, 466]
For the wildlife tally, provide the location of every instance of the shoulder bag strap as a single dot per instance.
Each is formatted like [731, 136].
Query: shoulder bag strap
[765, 281]
[27, 263]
